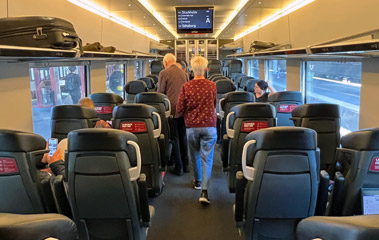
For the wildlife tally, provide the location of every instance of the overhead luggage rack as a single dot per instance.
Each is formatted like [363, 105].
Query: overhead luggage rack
[8, 53]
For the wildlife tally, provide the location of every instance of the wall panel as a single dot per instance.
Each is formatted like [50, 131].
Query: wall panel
[98, 76]
[3, 8]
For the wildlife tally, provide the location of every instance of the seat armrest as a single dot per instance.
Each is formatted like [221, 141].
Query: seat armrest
[322, 198]
[225, 152]
[144, 205]
[240, 196]
[337, 197]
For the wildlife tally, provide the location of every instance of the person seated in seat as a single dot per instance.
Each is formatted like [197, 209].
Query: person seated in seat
[56, 161]
[87, 102]
[260, 91]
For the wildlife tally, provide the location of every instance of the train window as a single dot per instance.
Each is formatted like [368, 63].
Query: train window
[253, 68]
[51, 86]
[276, 73]
[139, 69]
[338, 83]
[115, 78]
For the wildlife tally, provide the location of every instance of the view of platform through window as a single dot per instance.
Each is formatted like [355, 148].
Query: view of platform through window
[253, 68]
[277, 74]
[51, 86]
[138, 69]
[337, 83]
[115, 78]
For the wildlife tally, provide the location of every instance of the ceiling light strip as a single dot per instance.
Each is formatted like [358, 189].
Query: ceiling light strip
[240, 5]
[285, 11]
[158, 17]
[94, 8]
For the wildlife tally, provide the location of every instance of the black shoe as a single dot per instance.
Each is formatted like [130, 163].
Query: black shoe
[204, 197]
[196, 184]
[176, 172]
[186, 170]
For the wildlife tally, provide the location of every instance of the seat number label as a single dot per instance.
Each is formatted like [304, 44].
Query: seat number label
[286, 108]
[8, 165]
[133, 127]
[251, 126]
[104, 109]
[374, 167]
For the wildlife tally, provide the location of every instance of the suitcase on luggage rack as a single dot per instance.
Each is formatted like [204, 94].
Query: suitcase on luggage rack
[42, 32]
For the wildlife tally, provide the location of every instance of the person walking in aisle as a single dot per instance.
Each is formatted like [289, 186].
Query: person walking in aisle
[197, 103]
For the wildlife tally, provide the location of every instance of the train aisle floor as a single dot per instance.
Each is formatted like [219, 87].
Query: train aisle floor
[179, 215]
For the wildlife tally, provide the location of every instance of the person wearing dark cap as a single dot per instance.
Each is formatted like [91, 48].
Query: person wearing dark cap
[260, 91]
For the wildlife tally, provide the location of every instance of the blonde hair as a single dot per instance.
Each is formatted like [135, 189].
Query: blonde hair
[169, 58]
[179, 65]
[86, 102]
[199, 64]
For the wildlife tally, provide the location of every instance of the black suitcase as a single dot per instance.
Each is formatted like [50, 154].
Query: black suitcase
[43, 32]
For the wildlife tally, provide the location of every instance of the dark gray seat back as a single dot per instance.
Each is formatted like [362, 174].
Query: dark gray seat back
[143, 121]
[154, 77]
[339, 228]
[101, 186]
[250, 85]
[66, 118]
[162, 104]
[281, 165]
[234, 66]
[214, 66]
[132, 88]
[244, 119]
[325, 120]
[23, 188]
[104, 104]
[149, 83]
[285, 103]
[156, 67]
[223, 86]
[359, 157]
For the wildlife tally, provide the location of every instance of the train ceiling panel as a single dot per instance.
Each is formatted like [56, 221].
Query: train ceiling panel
[158, 17]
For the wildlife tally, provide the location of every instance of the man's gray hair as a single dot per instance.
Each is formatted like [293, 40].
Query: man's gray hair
[199, 64]
[169, 58]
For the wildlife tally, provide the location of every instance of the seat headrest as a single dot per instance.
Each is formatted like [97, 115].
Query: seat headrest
[17, 141]
[317, 110]
[106, 98]
[150, 97]
[72, 111]
[99, 139]
[154, 77]
[136, 86]
[245, 110]
[250, 85]
[149, 82]
[225, 86]
[133, 110]
[362, 140]
[282, 138]
[286, 96]
[239, 97]
[235, 62]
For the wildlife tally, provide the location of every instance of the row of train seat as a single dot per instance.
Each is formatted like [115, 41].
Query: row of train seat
[106, 190]
[282, 162]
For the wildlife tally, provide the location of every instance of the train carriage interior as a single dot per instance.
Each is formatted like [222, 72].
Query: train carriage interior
[303, 164]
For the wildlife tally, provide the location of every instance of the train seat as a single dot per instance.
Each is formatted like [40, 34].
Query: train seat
[214, 67]
[285, 103]
[359, 157]
[325, 120]
[154, 77]
[281, 167]
[234, 67]
[104, 104]
[36, 226]
[339, 228]
[241, 120]
[156, 67]
[163, 105]
[211, 76]
[216, 78]
[149, 83]
[223, 86]
[23, 188]
[106, 191]
[66, 118]
[132, 88]
[242, 82]
[145, 122]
